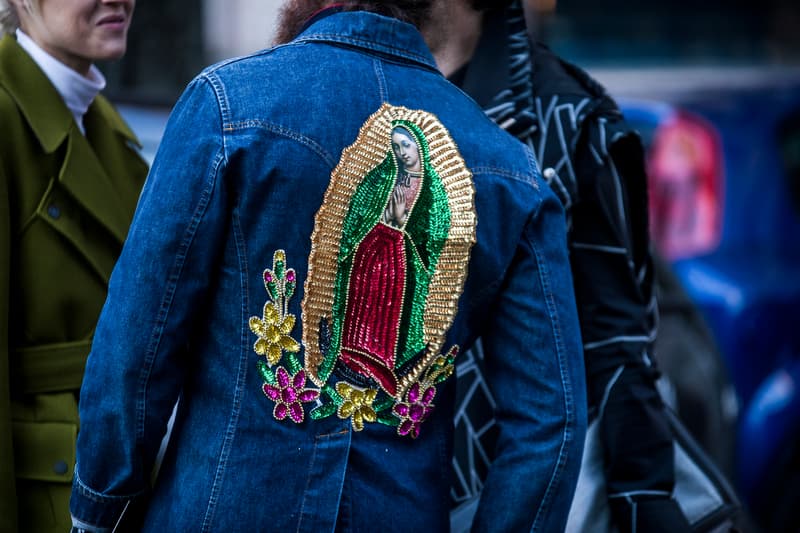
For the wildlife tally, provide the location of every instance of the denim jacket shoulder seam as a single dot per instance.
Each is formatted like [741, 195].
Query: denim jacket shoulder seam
[223, 104]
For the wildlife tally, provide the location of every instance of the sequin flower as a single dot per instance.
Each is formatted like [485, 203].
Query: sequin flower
[273, 333]
[414, 412]
[289, 394]
[357, 404]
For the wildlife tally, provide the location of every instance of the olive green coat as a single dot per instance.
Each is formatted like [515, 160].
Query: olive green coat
[65, 205]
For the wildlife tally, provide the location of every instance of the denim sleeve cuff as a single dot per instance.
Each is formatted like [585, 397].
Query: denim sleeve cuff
[95, 512]
[81, 527]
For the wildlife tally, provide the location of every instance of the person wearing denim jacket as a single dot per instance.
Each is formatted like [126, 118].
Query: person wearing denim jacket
[261, 288]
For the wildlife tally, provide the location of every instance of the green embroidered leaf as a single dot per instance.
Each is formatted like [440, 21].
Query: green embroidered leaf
[272, 290]
[323, 411]
[294, 363]
[266, 372]
[331, 392]
[383, 405]
[389, 420]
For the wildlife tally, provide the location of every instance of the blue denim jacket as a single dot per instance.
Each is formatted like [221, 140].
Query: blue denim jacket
[236, 200]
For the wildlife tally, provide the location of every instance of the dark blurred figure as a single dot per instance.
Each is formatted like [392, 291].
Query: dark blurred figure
[595, 162]
[70, 176]
[697, 382]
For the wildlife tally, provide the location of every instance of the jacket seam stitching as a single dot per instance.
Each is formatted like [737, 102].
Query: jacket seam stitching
[168, 296]
[230, 432]
[527, 179]
[566, 438]
[368, 44]
[285, 132]
[222, 105]
[383, 91]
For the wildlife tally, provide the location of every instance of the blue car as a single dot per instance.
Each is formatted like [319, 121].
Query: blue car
[724, 181]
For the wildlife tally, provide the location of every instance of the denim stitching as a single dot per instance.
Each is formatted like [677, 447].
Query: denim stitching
[527, 179]
[565, 383]
[311, 472]
[175, 273]
[230, 432]
[285, 132]
[369, 45]
[93, 495]
[223, 105]
[169, 294]
[383, 90]
[222, 97]
[534, 167]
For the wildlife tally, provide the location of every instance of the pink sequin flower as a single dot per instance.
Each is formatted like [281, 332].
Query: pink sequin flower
[414, 412]
[289, 395]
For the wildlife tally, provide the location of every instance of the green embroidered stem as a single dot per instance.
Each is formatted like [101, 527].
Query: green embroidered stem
[266, 372]
[294, 365]
[383, 405]
[389, 420]
[323, 411]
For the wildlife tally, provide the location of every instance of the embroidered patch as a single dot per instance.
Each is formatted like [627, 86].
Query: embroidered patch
[388, 261]
[389, 254]
[287, 388]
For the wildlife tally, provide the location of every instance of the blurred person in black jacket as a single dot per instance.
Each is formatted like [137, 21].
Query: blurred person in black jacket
[594, 161]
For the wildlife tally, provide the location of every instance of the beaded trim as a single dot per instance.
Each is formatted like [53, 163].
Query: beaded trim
[382, 288]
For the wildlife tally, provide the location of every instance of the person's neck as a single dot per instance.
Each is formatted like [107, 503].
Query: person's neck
[453, 34]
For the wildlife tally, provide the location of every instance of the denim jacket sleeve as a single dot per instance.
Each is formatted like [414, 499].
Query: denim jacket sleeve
[123, 415]
[534, 366]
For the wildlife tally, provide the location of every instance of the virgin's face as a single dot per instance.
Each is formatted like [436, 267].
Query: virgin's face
[406, 151]
[78, 32]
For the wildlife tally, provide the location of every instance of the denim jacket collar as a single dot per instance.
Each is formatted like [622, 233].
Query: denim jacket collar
[372, 32]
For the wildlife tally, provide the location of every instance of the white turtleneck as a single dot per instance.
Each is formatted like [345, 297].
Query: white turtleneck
[76, 90]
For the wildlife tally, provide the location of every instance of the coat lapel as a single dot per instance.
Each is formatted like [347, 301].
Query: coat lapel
[84, 176]
[96, 169]
[37, 99]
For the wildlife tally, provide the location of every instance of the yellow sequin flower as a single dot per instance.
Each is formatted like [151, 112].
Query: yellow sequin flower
[357, 404]
[273, 333]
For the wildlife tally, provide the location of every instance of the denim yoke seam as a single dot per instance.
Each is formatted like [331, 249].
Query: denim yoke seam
[230, 432]
[368, 45]
[505, 173]
[277, 129]
[561, 462]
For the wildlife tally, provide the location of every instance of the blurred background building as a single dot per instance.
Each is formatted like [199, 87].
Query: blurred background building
[172, 40]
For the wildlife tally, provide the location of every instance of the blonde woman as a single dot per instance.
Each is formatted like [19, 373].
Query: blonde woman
[70, 176]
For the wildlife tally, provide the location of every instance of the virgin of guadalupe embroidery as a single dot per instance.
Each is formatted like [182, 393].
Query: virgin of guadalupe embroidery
[389, 256]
